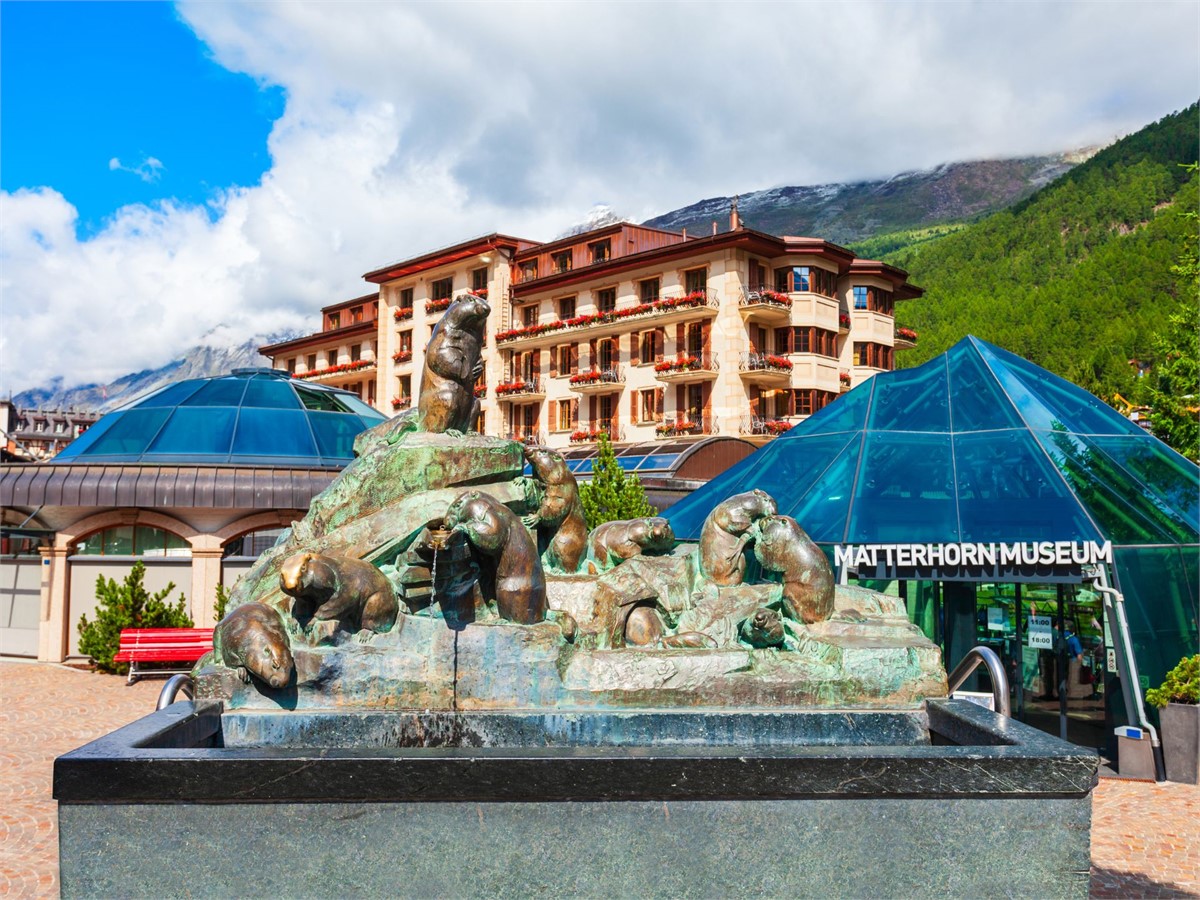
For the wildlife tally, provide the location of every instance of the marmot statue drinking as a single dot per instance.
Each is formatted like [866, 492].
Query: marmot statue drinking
[727, 531]
[447, 401]
[560, 511]
[614, 542]
[351, 591]
[808, 585]
[253, 640]
[496, 531]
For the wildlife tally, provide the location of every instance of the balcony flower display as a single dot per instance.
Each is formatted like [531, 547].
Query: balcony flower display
[590, 377]
[480, 390]
[586, 434]
[433, 306]
[844, 377]
[339, 369]
[513, 387]
[695, 298]
[777, 362]
[769, 296]
[777, 426]
[844, 320]
[681, 363]
[513, 334]
[667, 429]
[404, 313]
[481, 293]
[401, 402]
[907, 333]
[402, 356]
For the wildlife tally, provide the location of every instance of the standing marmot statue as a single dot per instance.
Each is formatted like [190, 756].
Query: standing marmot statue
[447, 401]
[352, 591]
[496, 531]
[560, 512]
[727, 531]
[808, 584]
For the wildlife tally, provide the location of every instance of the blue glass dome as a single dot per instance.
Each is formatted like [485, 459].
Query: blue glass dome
[250, 417]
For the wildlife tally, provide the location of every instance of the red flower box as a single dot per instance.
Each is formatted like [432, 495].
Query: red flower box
[402, 356]
[432, 306]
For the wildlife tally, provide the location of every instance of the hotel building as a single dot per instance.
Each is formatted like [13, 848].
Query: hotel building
[640, 333]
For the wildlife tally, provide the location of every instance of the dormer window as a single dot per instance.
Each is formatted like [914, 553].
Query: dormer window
[601, 251]
[332, 321]
[561, 261]
[356, 314]
[529, 270]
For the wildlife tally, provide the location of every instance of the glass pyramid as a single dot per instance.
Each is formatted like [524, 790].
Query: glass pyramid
[975, 445]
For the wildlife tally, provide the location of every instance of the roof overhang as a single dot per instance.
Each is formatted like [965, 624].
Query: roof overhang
[446, 256]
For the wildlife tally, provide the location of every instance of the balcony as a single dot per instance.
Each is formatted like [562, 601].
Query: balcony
[401, 403]
[526, 434]
[687, 367]
[521, 389]
[665, 309]
[359, 367]
[843, 322]
[765, 304]
[759, 426]
[588, 433]
[906, 338]
[682, 425]
[765, 368]
[598, 381]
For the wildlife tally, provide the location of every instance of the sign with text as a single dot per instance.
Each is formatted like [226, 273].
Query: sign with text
[1041, 632]
[1035, 561]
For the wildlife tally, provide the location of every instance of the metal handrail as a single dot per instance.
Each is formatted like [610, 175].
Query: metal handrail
[174, 685]
[987, 657]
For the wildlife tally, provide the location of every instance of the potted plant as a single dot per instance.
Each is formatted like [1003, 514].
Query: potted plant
[1178, 700]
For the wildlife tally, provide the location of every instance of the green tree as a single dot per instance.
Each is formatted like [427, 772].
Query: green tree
[612, 493]
[222, 603]
[126, 605]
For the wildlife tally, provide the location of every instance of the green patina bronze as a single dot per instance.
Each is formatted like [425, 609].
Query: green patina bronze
[434, 574]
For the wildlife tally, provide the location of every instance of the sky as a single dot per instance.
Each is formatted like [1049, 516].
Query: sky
[208, 172]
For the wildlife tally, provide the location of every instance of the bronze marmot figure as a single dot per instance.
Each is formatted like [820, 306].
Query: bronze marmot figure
[614, 542]
[727, 531]
[808, 585]
[351, 591]
[560, 511]
[252, 639]
[447, 402]
[496, 531]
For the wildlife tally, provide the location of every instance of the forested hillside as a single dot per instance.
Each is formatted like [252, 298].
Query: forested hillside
[1076, 278]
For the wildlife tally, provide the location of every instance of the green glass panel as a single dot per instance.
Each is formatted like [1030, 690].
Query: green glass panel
[905, 490]
[912, 400]
[219, 392]
[1009, 491]
[171, 395]
[1160, 604]
[118, 540]
[88, 438]
[326, 401]
[176, 546]
[847, 413]
[273, 433]
[822, 510]
[1126, 511]
[130, 432]
[976, 401]
[335, 433]
[1174, 479]
[149, 541]
[94, 545]
[193, 431]
[271, 393]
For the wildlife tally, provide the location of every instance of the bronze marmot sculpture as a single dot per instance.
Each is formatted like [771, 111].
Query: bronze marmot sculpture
[560, 511]
[447, 402]
[252, 640]
[727, 531]
[352, 591]
[764, 628]
[614, 542]
[808, 586]
[496, 531]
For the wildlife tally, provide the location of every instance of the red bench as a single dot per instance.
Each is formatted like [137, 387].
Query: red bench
[162, 645]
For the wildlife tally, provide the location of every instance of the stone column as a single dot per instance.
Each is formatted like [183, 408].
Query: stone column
[56, 587]
[206, 575]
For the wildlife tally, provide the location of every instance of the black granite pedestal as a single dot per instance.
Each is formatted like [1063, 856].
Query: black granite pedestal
[951, 800]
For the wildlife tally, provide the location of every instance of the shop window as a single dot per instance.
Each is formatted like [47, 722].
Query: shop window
[130, 540]
[442, 289]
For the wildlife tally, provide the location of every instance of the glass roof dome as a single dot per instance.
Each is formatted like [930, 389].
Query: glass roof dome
[255, 417]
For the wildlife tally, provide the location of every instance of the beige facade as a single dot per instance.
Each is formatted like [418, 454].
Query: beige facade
[645, 334]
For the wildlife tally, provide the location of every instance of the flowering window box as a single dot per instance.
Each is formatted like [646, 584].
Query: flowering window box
[401, 402]
[402, 356]
[777, 426]
[480, 390]
[906, 334]
[433, 306]
[515, 387]
[586, 377]
[340, 369]
[404, 313]
[844, 321]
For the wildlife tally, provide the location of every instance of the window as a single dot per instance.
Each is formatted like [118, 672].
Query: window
[877, 356]
[356, 314]
[650, 405]
[529, 270]
[39, 425]
[310, 362]
[442, 288]
[860, 297]
[606, 354]
[601, 251]
[566, 308]
[406, 341]
[529, 315]
[695, 280]
[252, 545]
[406, 298]
[355, 352]
[758, 275]
[562, 261]
[782, 280]
[648, 290]
[479, 279]
[652, 347]
[291, 366]
[60, 427]
[695, 338]
[567, 358]
[807, 339]
[405, 385]
[130, 540]
[331, 321]
[801, 280]
[566, 414]
[606, 300]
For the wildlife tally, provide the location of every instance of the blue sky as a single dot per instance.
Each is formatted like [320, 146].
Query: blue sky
[269, 153]
[82, 84]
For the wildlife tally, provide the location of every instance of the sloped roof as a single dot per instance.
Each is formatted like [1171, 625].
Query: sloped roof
[256, 417]
[975, 445]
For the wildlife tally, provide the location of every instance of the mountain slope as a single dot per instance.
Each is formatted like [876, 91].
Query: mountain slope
[199, 362]
[851, 212]
[1075, 278]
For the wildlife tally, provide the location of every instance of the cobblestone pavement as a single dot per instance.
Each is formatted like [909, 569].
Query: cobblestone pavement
[1145, 837]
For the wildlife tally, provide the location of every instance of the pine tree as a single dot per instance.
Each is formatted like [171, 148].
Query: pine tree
[126, 605]
[612, 493]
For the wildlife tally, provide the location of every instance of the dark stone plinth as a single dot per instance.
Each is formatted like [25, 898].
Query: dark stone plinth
[940, 801]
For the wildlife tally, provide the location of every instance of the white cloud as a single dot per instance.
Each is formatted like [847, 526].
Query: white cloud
[412, 125]
[149, 169]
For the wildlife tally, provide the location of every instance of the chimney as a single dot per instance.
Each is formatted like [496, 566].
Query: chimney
[735, 221]
[714, 228]
[685, 234]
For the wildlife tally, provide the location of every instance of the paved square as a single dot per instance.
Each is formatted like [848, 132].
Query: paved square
[1145, 837]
